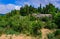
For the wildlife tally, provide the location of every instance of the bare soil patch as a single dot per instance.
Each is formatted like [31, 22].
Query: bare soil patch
[22, 36]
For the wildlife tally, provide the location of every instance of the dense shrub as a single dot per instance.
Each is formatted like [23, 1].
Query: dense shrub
[3, 22]
[11, 31]
[51, 36]
[2, 30]
[57, 32]
[22, 24]
[57, 19]
[54, 35]
[50, 25]
[35, 28]
[39, 24]
[45, 19]
[32, 18]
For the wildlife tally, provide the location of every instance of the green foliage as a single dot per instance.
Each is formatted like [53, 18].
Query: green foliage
[2, 30]
[14, 23]
[40, 9]
[10, 31]
[35, 28]
[45, 19]
[49, 8]
[32, 18]
[3, 21]
[51, 36]
[32, 10]
[57, 32]
[54, 35]
[38, 24]
[26, 10]
[51, 25]
[57, 19]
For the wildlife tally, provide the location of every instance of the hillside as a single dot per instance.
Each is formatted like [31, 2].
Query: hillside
[44, 25]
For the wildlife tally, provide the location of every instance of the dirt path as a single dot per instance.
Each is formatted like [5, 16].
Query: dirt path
[45, 32]
[16, 37]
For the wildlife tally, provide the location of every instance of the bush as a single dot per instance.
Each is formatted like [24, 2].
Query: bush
[54, 35]
[51, 36]
[38, 24]
[2, 30]
[11, 31]
[51, 25]
[35, 28]
[32, 18]
[45, 19]
[57, 32]
[57, 19]
[3, 23]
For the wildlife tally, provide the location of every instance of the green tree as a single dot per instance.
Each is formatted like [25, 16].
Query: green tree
[40, 9]
[50, 8]
[24, 10]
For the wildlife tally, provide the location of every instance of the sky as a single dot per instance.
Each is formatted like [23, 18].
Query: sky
[8, 5]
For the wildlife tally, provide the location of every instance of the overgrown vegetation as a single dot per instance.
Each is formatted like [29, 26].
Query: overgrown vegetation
[22, 21]
[54, 35]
